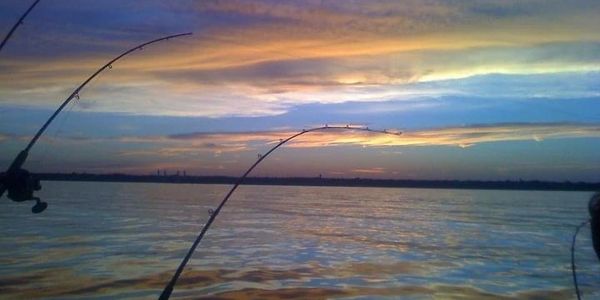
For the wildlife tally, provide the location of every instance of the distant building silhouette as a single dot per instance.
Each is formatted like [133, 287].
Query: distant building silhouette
[324, 181]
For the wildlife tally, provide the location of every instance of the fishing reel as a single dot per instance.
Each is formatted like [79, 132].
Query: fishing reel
[20, 185]
[594, 208]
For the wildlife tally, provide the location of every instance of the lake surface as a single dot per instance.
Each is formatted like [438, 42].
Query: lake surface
[124, 240]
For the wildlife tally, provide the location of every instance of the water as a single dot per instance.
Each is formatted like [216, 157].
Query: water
[124, 240]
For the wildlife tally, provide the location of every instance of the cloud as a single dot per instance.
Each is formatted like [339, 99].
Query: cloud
[369, 171]
[463, 137]
[231, 142]
[398, 18]
[257, 58]
[206, 151]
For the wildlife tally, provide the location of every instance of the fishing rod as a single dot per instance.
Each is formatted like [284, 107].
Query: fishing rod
[166, 293]
[594, 221]
[18, 181]
[19, 22]
[573, 265]
[593, 207]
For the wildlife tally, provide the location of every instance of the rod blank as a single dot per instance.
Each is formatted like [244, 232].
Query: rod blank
[171, 285]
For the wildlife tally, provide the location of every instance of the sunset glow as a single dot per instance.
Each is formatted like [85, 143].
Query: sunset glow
[480, 89]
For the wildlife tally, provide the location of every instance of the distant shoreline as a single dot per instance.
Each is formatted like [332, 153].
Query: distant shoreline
[318, 181]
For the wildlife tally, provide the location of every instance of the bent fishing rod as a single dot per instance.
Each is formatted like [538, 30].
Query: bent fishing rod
[166, 293]
[594, 221]
[19, 22]
[19, 182]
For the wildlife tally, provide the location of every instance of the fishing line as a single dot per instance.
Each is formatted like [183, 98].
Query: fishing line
[573, 267]
[166, 293]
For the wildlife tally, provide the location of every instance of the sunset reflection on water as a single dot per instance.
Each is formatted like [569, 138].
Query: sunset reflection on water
[115, 240]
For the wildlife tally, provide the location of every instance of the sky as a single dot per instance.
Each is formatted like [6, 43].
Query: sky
[480, 89]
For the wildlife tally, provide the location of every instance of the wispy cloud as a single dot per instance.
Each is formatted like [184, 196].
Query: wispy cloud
[189, 143]
[406, 154]
[256, 58]
[370, 171]
[193, 143]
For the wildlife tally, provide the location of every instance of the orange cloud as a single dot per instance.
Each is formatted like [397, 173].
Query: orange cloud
[338, 52]
[175, 145]
[463, 137]
[369, 171]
